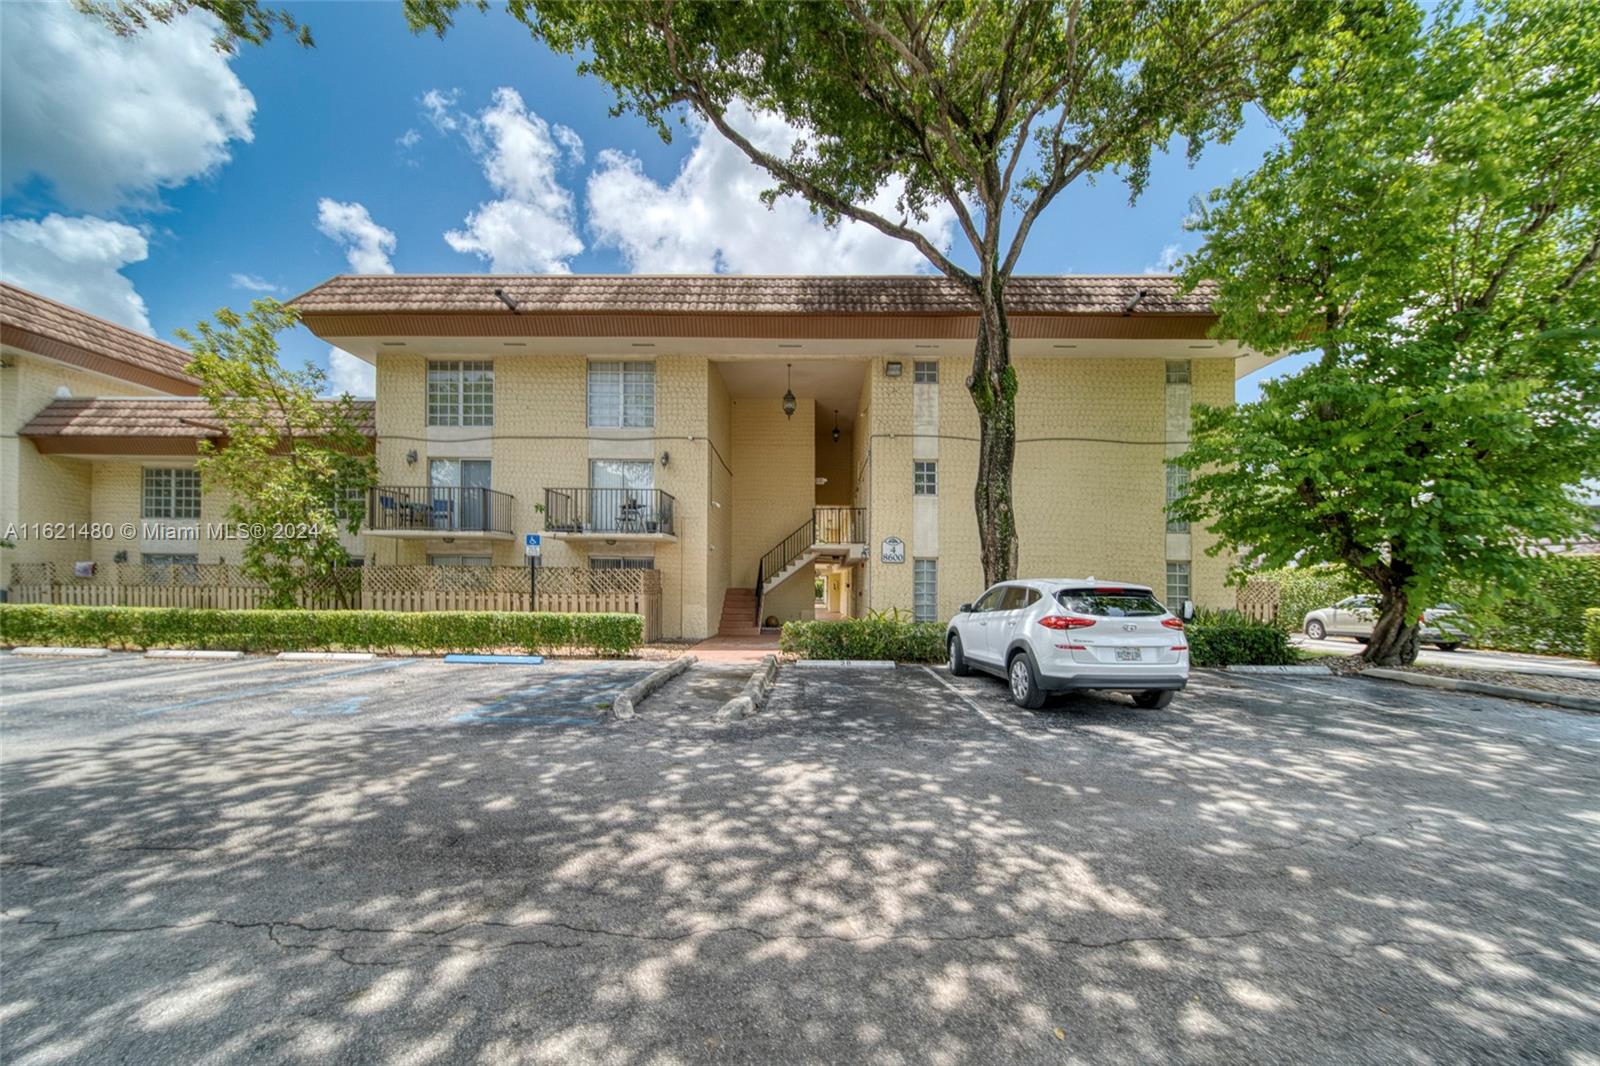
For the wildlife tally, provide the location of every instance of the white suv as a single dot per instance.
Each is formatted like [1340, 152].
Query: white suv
[1058, 634]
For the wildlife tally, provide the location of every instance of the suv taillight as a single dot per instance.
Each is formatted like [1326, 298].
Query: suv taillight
[1065, 621]
[1172, 623]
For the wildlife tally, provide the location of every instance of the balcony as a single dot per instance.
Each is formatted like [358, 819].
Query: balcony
[438, 511]
[609, 514]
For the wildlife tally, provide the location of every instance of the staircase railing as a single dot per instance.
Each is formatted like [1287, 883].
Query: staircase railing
[787, 551]
[840, 525]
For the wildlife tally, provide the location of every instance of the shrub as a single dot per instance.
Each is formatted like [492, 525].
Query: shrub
[289, 630]
[1302, 589]
[1591, 633]
[878, 637]
[1227, 638]
[1549, 617]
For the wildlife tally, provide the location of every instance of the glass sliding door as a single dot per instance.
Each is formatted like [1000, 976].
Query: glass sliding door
[460, 497]
[623, 495]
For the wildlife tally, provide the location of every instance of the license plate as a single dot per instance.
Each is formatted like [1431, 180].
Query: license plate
[1129, 655]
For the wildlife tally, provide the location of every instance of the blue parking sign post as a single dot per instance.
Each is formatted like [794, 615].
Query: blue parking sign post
[531, 547]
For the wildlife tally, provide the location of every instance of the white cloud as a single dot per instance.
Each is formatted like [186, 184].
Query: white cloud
[711, 217]
[439, 106]
[367, 245]
[1167, 262]
[110, 120]
[254, 283]
[531, 227]
[75, 260]
[408, 139]
[346, 373]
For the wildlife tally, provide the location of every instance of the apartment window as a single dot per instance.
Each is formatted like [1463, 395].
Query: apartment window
[1177, 485]
[172, 492]
[460, 393]
[460, 560]
[622, 394]
[925, 372]
[924, 478]
[620, 562]
[1178, 372]
[925, 590]
[1177, 585]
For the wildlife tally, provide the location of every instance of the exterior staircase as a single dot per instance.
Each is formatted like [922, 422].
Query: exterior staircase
[831, 532]
[739, 614]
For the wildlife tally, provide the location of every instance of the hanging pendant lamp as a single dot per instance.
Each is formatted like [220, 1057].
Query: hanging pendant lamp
[788, 396]
[836, 425]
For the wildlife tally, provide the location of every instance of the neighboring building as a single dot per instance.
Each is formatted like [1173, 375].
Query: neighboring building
[98, 433]
[641, 421]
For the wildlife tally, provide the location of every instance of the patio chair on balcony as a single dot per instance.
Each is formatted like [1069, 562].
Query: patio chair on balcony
[443, 512]
[391, 512]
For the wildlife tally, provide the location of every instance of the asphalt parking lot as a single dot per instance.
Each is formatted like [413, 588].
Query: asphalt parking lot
[406, 861]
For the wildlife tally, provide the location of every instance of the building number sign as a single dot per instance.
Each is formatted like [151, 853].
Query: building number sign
[894, 550]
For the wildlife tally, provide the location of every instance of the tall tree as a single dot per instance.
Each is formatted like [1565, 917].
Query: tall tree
[1432, 225]
[238, 20]
[295, 468]
[990, 108]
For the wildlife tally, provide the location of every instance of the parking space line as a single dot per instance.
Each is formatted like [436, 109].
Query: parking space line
[988, 716]
[195, 671]
[280, 687]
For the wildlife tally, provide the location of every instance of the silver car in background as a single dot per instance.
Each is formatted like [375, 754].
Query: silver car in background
[1354, 616]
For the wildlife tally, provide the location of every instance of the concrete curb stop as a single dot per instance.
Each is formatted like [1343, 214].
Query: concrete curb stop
[754, 694]
[848, 664]
[326, 656]
[191, 653]
[1485, 688]
[66, 653]
[624, 705]
[1299, 669]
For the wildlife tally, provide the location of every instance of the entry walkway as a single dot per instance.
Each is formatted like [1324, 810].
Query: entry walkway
[736, 649]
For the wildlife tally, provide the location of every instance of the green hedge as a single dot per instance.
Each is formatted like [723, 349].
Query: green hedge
[271, 631]
[1550, 616]
[1591, 633]
[866, 638]
[1227, 638]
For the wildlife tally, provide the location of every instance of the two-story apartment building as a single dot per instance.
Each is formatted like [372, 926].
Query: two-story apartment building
[99, 428]
[746, 436]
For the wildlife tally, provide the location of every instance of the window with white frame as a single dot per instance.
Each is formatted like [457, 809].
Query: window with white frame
[460, 392]
[1177, 585]
[171, 492]
[622, 394]
[1178, 372]
[924, 478]
[925, 372]
[925, 590]
[1177, 485]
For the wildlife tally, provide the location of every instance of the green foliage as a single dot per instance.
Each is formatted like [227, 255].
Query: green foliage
[1549, 615]
[1429, 224]
[877, 637]
[241, 20]
[291, 462]
[1591, 633]
[1302, 589]
[1228, 638]
[273, 631]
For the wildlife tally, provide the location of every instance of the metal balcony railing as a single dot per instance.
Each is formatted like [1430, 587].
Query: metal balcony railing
[438, 508]
[616, 511]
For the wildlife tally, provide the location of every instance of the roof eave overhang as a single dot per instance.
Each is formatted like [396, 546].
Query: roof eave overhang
[87, 359]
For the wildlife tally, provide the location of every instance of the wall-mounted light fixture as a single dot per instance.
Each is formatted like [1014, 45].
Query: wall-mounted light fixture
[411, 457]
[666, 457]
[836, 425]
[892, 369]
[788, 394]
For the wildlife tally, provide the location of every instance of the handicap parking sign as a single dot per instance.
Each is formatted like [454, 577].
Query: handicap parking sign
[531, 545]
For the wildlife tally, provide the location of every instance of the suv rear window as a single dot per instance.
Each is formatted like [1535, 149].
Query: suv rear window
[1110, 602]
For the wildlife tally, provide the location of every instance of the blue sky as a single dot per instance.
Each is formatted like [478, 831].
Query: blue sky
[377, 149]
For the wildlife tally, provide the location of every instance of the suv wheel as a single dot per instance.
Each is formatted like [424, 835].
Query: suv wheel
[1152, 699]
[957, 658]
[1316, 630]
[1024, 685]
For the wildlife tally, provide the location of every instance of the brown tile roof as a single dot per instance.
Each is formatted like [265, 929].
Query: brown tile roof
[736, 294]
[178, 417]
[37, 324]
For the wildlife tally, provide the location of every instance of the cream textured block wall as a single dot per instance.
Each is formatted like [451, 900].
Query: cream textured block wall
[719, 513]
[774, 487]
[36, 488]
[1089, 481]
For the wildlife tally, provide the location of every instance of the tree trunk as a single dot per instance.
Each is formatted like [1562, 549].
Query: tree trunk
[1394, 636]
[993, 386]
